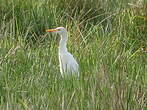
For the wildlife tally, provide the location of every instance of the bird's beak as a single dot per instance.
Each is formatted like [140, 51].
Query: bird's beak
[51, 30]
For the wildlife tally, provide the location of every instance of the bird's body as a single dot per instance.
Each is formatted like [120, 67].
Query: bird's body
[68, 65]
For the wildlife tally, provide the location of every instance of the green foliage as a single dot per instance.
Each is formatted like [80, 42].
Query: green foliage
[107, 37]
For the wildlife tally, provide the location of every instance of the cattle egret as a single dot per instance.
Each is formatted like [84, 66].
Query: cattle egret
[68, 65]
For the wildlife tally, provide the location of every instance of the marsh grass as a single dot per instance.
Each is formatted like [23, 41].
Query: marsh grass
[107, 40]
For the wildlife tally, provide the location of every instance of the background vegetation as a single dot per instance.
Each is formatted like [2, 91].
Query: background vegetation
[107, 37]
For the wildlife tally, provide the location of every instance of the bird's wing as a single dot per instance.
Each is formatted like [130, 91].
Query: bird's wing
[68, 63]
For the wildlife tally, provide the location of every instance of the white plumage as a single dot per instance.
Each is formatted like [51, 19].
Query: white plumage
[68, 65]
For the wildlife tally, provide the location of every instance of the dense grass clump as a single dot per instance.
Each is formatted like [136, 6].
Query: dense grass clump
[108, 39]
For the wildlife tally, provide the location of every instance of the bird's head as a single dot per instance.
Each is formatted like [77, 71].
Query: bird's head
[58, 30]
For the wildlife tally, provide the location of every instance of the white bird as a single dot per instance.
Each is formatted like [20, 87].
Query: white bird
[68, 65]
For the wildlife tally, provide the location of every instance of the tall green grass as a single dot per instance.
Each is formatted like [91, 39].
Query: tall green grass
[108, 39]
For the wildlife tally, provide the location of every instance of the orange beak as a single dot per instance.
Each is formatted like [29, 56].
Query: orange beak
[51, 30]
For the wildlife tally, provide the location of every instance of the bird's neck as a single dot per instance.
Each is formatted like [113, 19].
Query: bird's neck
[62, 44]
